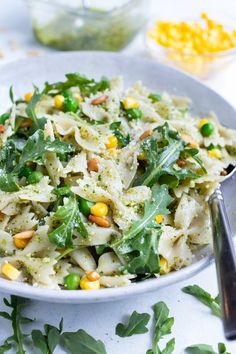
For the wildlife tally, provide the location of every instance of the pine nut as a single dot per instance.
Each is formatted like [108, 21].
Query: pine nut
[99, 221]
[181, 163]
[147, 133]
[223, 172]
[99, 100]
[24, 235]
[93, 165]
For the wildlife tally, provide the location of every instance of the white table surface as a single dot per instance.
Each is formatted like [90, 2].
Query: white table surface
[193, 322]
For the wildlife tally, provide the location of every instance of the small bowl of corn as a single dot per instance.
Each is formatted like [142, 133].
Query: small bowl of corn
[201, 47]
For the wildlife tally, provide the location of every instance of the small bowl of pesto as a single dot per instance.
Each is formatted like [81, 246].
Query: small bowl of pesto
[87, 25]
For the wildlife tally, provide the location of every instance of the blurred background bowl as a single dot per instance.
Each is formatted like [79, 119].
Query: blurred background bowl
[87, 25]
[204, 65]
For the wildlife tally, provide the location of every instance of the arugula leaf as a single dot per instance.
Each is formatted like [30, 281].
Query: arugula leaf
[70, 219]
[155, 97]
[33, 150]
[37, 146]
[8, 156]
[158, 205]
[145, 257]
[47, 342]
[122, 139]
[16, 318]
[163, 326]
[193, 153]
[82, 343]
[206, 349]
[5, 347]
[161, 154]
[205, 298]
[38, 123]
[86, 86]
[136, 325]
[11, 94]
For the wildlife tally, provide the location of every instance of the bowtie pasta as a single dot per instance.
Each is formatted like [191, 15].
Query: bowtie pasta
[101, 186]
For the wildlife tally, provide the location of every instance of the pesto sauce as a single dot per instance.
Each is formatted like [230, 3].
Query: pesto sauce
[69, 32]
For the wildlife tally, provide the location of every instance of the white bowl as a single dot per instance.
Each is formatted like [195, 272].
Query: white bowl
[158, 77]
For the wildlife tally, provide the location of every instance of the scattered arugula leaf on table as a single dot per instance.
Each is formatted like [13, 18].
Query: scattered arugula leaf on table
[16, 318]
[212, 302]
[206, 349]
[163, 326]
[161, 154]
[86, 86]
[81, 342]
[48, 341]
[70, 219]
[136, 325]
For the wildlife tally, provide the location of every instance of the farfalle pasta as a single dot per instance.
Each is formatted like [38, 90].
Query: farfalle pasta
[102, 186]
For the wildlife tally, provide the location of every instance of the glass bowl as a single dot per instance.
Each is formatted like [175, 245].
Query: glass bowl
[203, 66]
[87, 25]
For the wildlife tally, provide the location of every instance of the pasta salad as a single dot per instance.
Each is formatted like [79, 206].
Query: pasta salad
[102, 186]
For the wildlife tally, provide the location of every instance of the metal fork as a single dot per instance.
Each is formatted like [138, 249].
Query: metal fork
[225, 256]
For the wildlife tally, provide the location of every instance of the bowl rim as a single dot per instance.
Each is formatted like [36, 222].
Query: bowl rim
[108, 294]
[88, 11]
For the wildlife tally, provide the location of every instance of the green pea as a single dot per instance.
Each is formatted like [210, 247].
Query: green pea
[71, 104]
[34, 177]
[71, 281]
[155, 97]
[207, 129]
[85, 206]
[134, 113]
[4, 117]
[25, 172]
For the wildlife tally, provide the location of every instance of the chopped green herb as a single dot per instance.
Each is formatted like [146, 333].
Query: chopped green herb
[155, 97]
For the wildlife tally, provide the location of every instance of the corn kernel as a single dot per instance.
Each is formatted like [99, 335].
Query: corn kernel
[10, 271]
[78, 97]
[85, 284]
[164, 267]
[216, 153]
[159, 219]
[130, 102]
[28, 96]
[202, 122]
[59, 101]
[99, 209]
[112, 142]
[142, 156]
[192, 40]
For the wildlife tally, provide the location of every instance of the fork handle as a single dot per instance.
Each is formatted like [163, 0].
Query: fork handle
[225, 259]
